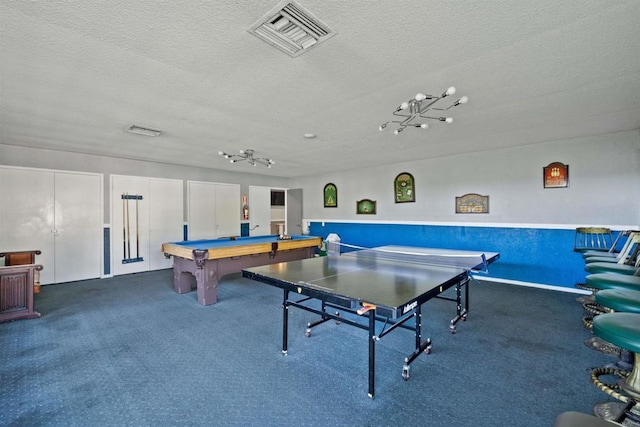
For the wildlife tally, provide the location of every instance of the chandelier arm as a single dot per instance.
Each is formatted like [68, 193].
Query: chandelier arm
[395, 113]
[427, 107]
[433, 118]
[445, 109]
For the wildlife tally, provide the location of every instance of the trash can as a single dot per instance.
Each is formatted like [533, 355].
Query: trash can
[333, 244]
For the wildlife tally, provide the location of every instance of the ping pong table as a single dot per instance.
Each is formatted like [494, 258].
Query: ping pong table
[384, 286]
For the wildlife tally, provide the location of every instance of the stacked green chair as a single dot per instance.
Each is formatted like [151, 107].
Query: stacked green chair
[576, 419]
[628, 263]
[608, 262]
[610, 301]
[592, 239]
[602, 281]
[612, 255]
[613, 251]
[622, 330]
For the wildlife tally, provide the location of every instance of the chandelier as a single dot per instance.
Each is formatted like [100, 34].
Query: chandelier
[248, 156]
[418, 107]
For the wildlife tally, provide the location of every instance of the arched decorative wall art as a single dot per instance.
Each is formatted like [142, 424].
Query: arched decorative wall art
[404, 188]
[330, 196]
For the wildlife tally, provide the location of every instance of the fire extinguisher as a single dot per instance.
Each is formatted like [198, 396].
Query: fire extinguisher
[245, 208]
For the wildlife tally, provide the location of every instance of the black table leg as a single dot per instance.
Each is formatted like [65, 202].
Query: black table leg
[285, 322]
[372, 352]
[421, 346]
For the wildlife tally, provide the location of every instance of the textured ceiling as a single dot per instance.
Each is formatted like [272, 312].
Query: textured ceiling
[75, 74]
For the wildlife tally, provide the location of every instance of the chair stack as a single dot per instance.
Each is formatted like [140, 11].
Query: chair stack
[613, 315]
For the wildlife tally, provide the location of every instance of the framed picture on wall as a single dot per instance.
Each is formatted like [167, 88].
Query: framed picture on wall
[472, 203]
[330, 196]
[366, 207]
[404, 188]
[555, 175]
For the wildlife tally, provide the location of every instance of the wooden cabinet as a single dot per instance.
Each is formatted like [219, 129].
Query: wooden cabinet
[16, 292]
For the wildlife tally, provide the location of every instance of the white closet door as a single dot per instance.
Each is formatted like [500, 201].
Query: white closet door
[78, 226]
[129, 224]
[259, 211]
[202, 210]
[165, 219]
[227, 210]
[27, 216]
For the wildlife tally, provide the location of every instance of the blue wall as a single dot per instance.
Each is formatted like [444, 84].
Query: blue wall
[535, 255]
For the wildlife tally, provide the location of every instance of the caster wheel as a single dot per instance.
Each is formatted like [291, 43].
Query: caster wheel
[307, 334]
[452, 329]
[405, 373]
[337, 321]
[464, 318]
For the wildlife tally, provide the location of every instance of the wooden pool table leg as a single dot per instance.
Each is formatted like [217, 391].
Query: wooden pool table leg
[207, 281]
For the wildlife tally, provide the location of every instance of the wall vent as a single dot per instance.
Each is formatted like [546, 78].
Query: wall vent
[141, 130]
[291, 28]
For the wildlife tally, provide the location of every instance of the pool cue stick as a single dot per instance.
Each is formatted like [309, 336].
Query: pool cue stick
[128, 232]
[124, 230]
[137, 232]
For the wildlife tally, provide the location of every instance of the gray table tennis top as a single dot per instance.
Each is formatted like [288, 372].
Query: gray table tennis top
[383, 282]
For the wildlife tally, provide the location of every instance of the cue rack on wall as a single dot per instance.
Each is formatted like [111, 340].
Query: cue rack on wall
[126, 228]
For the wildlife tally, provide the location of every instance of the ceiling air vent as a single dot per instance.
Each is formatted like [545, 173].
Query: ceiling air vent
[291, 28]
[140, 130]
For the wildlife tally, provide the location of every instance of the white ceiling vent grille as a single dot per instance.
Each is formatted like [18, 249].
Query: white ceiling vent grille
[291, 28]
[141, 130]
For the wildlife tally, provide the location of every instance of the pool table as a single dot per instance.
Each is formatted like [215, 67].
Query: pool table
[209, 260]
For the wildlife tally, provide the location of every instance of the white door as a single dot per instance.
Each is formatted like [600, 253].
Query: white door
[78, 226]
[27, 216]
[259, 211]
[165, 219]
[227, 210]
[202, 210]
[293, 204]
[58, 213]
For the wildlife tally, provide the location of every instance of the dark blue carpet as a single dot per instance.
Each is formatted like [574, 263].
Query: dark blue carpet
[129, 351]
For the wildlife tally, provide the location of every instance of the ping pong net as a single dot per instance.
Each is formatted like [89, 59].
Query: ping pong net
[467, 260]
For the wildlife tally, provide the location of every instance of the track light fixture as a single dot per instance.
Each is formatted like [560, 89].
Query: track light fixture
[247, 155]
[417, 107]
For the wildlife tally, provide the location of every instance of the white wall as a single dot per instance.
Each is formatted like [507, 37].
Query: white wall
[604, 185]
[36, 158]
[604, 182]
